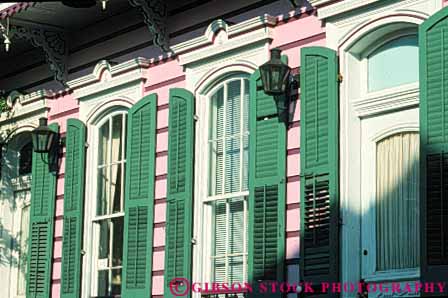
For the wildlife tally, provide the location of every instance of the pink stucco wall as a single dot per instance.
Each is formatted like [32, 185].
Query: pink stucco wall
[62, 107]
[290, 35]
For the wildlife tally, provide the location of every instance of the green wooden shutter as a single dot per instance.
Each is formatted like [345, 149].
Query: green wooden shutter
[319, 108]
[139, 198]
[179, 222]
[73, 208]
[267, 187]
[433, 38]
[40, 248]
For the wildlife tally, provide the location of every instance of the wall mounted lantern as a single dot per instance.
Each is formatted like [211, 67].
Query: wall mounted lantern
[275, 74]
[278, 81]
[43, 137]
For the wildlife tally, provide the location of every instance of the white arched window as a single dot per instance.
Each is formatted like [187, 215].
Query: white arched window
[224, 203]
[105, 213]
[15, 196]
[382, 93]
[393, 63]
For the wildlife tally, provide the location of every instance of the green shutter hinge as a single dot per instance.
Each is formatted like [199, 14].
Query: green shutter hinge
[86, 145]
[196, 117]
[340, 78]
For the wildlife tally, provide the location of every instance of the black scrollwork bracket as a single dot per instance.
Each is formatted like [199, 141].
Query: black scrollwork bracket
[53, 43]
[155, 13]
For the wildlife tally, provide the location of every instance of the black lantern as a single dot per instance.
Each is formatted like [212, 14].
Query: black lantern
[275, 74]
[43, 137]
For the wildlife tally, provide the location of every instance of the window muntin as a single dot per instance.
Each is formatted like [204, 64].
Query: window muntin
[397, 202]
[109, 219]
[226, 205]
[393, 64]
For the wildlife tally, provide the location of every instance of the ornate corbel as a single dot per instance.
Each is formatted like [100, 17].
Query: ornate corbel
[53, 43]
[155, 13]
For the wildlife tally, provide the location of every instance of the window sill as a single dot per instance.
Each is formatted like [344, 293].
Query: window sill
[394, 275]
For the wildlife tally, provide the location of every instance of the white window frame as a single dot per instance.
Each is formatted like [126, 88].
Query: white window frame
[91, 238]
[223, 49]
[344, 32]
[386, 126]
[203, 213]
[367, 104]
[389, 92]
[12, 221]
[107, 89]
[17, 230]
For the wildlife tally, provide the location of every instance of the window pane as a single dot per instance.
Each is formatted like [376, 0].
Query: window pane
[220, 223]
[117, 135]
[245, 181]
[116, 187]
[117, 247]
[236, 224]
[397, 202]
[394, 64]
[103, 191]
[232, 171]
[25, 159]
[217, 117]
[103, 144]
[236, 269]
[104, 244]
[246, 106]
[103, 283]
[233, 116]
[116, 282]
[230, 240]
[219, 270]
[216, 167]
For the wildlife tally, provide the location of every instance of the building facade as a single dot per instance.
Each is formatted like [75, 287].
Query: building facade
[174, 173]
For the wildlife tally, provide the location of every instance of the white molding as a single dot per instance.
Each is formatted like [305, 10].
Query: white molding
[319, 2]
[106, 77]
[394, 129]
[341, 7]
[220, 38]
[387, 100]
[21, 182]
[394, 275]
[25, 105]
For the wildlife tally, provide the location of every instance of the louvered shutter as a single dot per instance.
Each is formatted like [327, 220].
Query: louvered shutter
[73, 208]
[433, 37]
[180, 188]
[139, 198]
[267, 186]
[40, 248]
[319, 108]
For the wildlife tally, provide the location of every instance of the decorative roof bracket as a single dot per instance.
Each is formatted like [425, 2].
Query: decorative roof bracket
[155, 13]
[53, 43]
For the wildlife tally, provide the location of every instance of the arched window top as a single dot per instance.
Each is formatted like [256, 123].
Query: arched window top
[393, 64]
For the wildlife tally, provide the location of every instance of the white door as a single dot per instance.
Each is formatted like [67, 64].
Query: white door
[389, 197]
